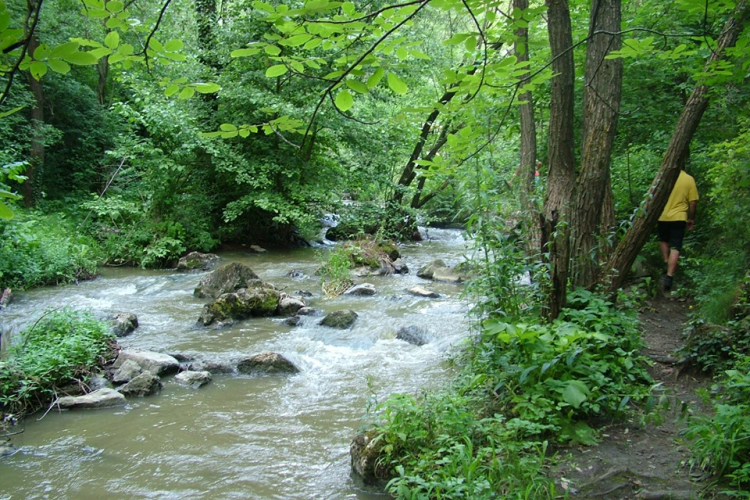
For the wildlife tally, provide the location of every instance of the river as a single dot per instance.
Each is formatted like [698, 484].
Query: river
[240, 436]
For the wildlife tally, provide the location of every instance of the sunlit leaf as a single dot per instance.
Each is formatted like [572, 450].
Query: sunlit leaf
[5, 211]
[357, 86]
[64, 49]
[174, 45]
[59, 66]
[272, 50]
[112, 40]
[207, 88]
[81, 58]
[171, 90]
[397, 84]
[296, 40]
[244, 52]
[38, 69]
[187, 93]
[344, 100]
[276, 70]
[115, 6]
[375, 79]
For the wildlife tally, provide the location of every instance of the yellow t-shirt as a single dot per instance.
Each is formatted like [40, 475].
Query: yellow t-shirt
[683, 193]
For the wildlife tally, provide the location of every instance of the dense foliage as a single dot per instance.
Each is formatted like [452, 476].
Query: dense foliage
[60, 348]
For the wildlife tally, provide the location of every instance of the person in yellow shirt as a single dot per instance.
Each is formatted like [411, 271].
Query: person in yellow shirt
[678, 215]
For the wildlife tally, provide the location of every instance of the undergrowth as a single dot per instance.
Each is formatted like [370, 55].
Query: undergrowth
[63, 346]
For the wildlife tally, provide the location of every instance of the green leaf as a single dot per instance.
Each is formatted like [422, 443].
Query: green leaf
[575, 393]
[174, 45]
[94, 4]
[171, 90]
[244, 52]
[276, 70]
[64, 49]
[38, 69]
[313, 43]
[227, 127]
[5, 211]
[42, 52]
[272, 50]
[207, 88]
[296, 40]
[112, 40]
[4, 21]
[374, 80]
[59, 66]
[115, 6]
[187, 93]
[81, 58]
[357, 86]
[397, 84]
[344, 100]
[10, 112]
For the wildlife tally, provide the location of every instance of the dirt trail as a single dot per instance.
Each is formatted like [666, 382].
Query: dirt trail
[644, 461]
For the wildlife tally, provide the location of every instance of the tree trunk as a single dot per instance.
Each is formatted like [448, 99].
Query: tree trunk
[36, 159]
[658, 194]
[529, 209]
[555, 216]
[601, 106]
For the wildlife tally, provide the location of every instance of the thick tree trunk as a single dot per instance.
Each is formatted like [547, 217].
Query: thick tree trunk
[555, 216]
[601, 106]
[528, 144]
[656, 199]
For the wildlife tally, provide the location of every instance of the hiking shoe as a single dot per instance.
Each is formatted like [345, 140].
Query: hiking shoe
[665, 285]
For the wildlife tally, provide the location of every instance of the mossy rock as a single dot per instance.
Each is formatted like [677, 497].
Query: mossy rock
[241, 305]
[340, 319]
[267, 363]
[227, 279]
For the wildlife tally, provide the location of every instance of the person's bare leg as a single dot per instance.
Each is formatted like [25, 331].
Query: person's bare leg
[674, 257]
[665, 251]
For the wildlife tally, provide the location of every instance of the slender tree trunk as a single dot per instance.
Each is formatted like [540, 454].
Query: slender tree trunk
[528, 143]
[36, 160]
[601, 107]
[555, 215]
[676, 152]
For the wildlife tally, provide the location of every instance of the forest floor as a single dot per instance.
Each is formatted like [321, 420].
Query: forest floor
[639, 460]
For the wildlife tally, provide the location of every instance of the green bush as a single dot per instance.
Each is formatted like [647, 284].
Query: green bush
[62, 346]
[37, 250]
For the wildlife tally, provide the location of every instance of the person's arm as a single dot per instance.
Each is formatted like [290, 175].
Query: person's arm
[691, 214]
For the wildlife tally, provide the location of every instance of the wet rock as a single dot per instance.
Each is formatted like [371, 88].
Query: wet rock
[257, 249]
[144, 384]
[364, 451]
[290, 304]
[362, 289]
[241, 305]
[7, 449]
[193, 379]
[400, 267]
[437, 270]
[227, 279]
[293, 321]
[98, 381]
[340, 319]
[296, 274]
[127, 372]
[212, 367]
[423, 292]
[197, 261]
[102, 398]
[267, 363]
[154, 362]
[308, 311]
[412, 334]
[124, 324]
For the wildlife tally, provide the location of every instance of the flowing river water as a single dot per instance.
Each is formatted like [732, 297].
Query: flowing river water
[240, 436]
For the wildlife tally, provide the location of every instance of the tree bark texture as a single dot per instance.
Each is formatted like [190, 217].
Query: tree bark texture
[528, 143]
[36, 158]
[601, 107]
[561, 177]
[677, 150]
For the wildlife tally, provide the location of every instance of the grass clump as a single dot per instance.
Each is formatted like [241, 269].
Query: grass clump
[63, 346]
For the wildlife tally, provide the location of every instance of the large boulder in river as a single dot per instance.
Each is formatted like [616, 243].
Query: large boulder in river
[365, 451]
[243, 304]
[124, 324]
[340, 319]
[102, 398]
[267, 363]
[412, 334]
[197, 261]
[363, 289]
[127, 372]
[437, 270]
[227, 279]
[290, 304]
[144, 384]
[154, 362]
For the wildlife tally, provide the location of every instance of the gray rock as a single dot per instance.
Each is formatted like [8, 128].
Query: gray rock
[124, 324]
[267, 363]
[127, 371]
[361, 290]
[98, 381]
[412, 334]
[364, 451]
[241, 305]
[428, 271]
[227, 279]
[197, 261]
[437, 270]
[143, 385]
[212, 367]
[293, 320]
[400, 267]
[340, 319]
[423, 292]
[102, 398]
[307, 311]
[290, 304]
[193, 379]
[154, 362]
[257, 249]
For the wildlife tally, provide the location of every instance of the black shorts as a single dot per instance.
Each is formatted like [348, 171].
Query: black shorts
[672, 232]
